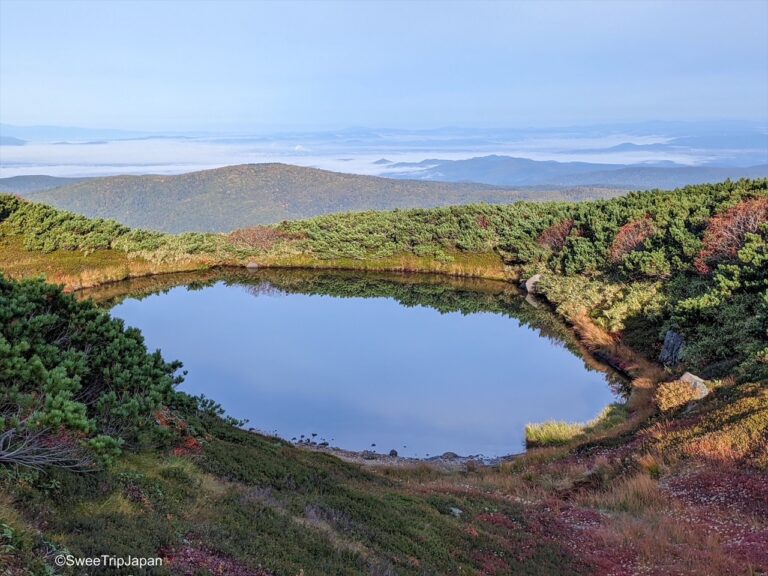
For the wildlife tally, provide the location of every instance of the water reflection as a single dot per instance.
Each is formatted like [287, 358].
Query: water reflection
[419, 364]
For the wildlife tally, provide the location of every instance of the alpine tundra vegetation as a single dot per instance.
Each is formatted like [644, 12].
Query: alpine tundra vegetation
[100, 453]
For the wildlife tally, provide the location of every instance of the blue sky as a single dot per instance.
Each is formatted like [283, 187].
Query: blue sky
[250, 65]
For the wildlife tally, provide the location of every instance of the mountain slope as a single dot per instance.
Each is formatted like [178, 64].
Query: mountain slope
[494, 170]
[22, 185]
[665, 178]
[11, 141]
[233, 197]
[510, 171]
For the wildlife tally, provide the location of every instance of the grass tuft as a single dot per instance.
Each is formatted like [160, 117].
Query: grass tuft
[558, 433]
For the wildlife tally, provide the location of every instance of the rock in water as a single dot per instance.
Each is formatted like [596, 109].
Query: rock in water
[530, 299]
[532, 283]
[672, 350]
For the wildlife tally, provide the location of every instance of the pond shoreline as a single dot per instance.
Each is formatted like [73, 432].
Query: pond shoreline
[448, 461]
[111, 292]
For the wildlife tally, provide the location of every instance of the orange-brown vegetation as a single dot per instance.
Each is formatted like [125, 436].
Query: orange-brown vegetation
[260, 237]
[727, 232]
[630, 237]
[671, 395]
[555, 236]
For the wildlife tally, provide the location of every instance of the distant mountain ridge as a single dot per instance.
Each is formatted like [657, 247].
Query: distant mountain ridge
[510, 171]
[224, 199]
[11, 141]
[23, 185]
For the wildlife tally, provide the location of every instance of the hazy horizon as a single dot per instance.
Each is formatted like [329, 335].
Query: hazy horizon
[134, 87]
[85, 152]
[267, 66]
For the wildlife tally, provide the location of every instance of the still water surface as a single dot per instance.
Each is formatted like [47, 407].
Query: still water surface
[367, 372]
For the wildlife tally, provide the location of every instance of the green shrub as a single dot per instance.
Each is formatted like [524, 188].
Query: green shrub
[70, 370]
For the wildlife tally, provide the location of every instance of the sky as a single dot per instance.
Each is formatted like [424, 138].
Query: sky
[195, 65]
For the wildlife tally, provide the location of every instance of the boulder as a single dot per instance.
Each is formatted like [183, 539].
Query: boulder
[697, 384]
[672, 350]
[252, 265]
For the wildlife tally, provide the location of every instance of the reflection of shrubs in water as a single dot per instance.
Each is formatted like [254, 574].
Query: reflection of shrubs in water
[444, 294]
[264, 288]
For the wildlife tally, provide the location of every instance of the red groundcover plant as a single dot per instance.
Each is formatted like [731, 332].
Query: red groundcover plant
[555, 236]
[630, 237]
[726, 233]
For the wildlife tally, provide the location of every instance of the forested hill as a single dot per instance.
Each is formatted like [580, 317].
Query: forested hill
[23, 185]
[225, 199]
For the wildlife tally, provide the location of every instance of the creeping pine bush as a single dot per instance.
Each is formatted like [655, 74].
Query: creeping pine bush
[46, 229]
[67, 369]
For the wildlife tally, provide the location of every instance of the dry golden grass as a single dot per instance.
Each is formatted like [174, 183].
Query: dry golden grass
[552, 433]
[652, 464]
[591, 334]
[665, 545]
[632, 495]
[671, 395]
[731, 427]
[75, 270]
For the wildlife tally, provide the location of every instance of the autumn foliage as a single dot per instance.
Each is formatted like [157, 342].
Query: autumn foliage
[555, 236]
[630, 237]
[727, 232]
[259, 237]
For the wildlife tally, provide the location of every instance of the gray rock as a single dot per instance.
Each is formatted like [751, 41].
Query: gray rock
[697, 384]
[457, 512]
[672, 350]
[530, 299]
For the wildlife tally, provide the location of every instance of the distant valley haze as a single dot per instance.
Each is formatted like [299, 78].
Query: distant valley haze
[437, 104]
[179, 182]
